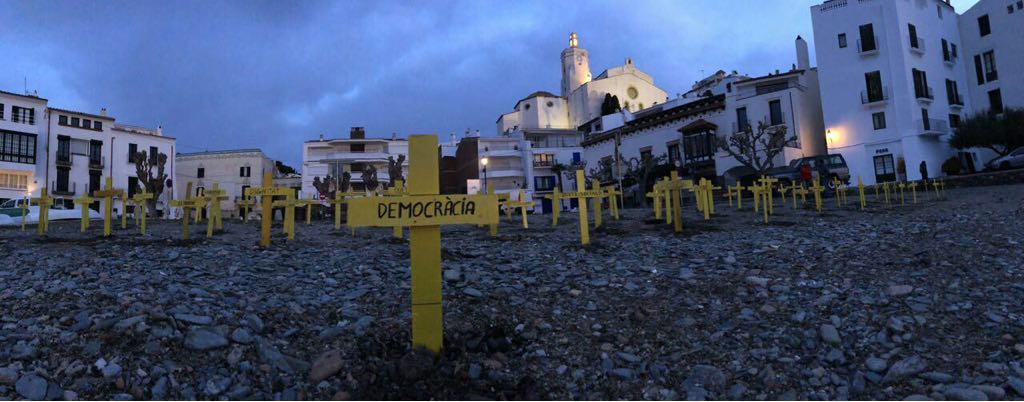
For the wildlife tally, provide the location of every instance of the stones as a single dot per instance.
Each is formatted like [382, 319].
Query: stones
[899, 290]
[8, 375]
[325, 365]
[904, 369]
[706, 377]
[473, 292]
[31, 386]
[964, 394]
[757, 281]
[875, 364]
[111, 370]
[452, 275]
[241, 335]
[194, 319]
[830, 334]
[204, 339]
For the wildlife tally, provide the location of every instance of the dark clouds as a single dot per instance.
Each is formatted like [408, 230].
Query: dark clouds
[271, 74]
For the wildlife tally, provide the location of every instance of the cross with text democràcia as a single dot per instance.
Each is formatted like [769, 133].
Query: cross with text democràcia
[423, 211]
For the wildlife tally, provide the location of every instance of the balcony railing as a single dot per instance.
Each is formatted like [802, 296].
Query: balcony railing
[64, 189]
[873, 97]
[97, 162]
[64, 158]
[924, 93]
[917, 47]
[543, 163]
[870, 49]
[932, 127]
[956, 100]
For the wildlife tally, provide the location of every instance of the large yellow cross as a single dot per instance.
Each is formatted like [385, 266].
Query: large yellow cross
[397, 190]
[189, 203]
[44, 201]
[24, 206]
[107, 194]
[266, 192]
[522, 204]
[83, 203]
[244, 204]
[141, 201]
[613, 200]
[341, 198]
[289, 203]
[582, 194]
[860, 193]
[913, 190]
[424, 211]
[673, 188]
[556, 204]
[215, 195]
[816, 188]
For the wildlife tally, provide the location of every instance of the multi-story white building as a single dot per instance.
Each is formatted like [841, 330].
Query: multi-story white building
[231, 170]
[893, 79]
[72, 153]
[334, 157]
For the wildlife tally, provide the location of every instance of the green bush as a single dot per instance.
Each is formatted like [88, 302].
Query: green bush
[951, 166]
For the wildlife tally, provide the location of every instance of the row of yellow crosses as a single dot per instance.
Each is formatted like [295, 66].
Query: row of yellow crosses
[107, 195]
[667, 194]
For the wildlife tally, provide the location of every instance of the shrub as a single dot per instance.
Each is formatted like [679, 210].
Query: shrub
[951, 166]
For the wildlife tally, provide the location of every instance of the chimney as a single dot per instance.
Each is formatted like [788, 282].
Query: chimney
[803, 59]
[394, 136]
[357, 133]
[321, 136]
[159, 129]
[103, 112]
[477, 134]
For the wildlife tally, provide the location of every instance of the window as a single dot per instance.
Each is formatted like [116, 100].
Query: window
[544, 183]
[86, 123]
[154, 155]
[63, 179]
[921, 89]
[742, 123]
[645, 154]
[245, 171]
[75, 121]
[14, 181]
[95, 152]
[200, 191]
[23, 115]
[133, 185]
[925, 120]
[775, 111]
[873, 82]
[945, 51]
[953, 93]
[63, 149]
[1020, 5]
[673, 154]
[362, 147]
[913, 36]
[97, 125]
[995, 101]
[94, 180]
[17, 147]
[867, 38]
[989, 58]
[954, 120]
[1009, 9]
[1, 111]
[979, 70]
[62, 120]
[132, 150]
[842, 40]
[983, 27]
[878, 120]
[543, 159]
[952, 51]
[885, 169]
[699, 147]
[938, 9]
[200, 173]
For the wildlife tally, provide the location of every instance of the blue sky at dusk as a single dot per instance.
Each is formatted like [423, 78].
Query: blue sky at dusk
[271, 74]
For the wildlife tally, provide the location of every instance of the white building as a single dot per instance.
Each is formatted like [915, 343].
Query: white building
[71, 153]
[893, 78]
[231, 170]
[334, 157]
[993, 51]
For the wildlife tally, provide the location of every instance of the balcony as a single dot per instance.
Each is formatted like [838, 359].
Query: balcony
[924, 94]
[737, 127]
[96, 162]
[504, 172]
[949, 60]
[64, 190]
[501, 152]
[64, 159]
[868, 49]
[874, 98]
[543, 164]
[917, 46]
[932, 127]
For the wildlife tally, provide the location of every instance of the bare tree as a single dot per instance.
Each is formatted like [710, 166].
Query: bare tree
[756, 149]
[395, 168]
[370, 177]
[640, 170]
[153, 184]
[326, 186]
[346, 182]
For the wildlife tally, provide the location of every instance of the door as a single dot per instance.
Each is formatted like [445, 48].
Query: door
[546, 206]
[885, 169]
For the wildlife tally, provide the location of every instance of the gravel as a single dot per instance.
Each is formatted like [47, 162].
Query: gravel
[912, 302]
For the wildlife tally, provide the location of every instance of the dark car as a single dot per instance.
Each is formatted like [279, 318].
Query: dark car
[833, 165]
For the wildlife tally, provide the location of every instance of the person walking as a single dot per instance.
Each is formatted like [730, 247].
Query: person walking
[924, 171]
[805, 173]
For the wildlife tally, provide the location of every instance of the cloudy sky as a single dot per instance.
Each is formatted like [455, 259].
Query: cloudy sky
[271, 74]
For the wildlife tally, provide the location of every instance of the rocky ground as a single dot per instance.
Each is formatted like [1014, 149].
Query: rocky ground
[913, 302]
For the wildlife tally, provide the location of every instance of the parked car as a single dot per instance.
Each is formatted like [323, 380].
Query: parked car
[1012, 160]
[834, 165]
[10, 212]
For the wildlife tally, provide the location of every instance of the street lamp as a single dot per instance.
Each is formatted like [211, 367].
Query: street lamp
[483, 161]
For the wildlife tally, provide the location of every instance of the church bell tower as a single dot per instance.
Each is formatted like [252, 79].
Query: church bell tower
[575, 66]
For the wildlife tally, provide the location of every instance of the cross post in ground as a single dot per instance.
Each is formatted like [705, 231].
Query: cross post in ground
[44, 201]
[141, 201]
[107, 194]
[83, 203]
[186, 204]
[266, 192]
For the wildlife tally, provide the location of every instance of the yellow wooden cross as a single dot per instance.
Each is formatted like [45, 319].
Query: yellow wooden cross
[913, 190]
[556, 205]
[817, 189]
[266, 192]
[767, 183]
[860, 191]
[613, 200]
[794, 190]
[24, 206]
[935, 186]
[83, 203]
[782, 193]
[141, 201]
[244, 204]
[756, 190]
[501, 198]
[289, 204]
[582, 194]
[903, 199]
[424, 211]
[522, 204]
[397, 190]
[215, 195]
[341, 198]
[656, 198]
[44, 202]
[107, 194]
[597, 203]
[942, 187]
[187, 204]
[885, 189]
[673, 189]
